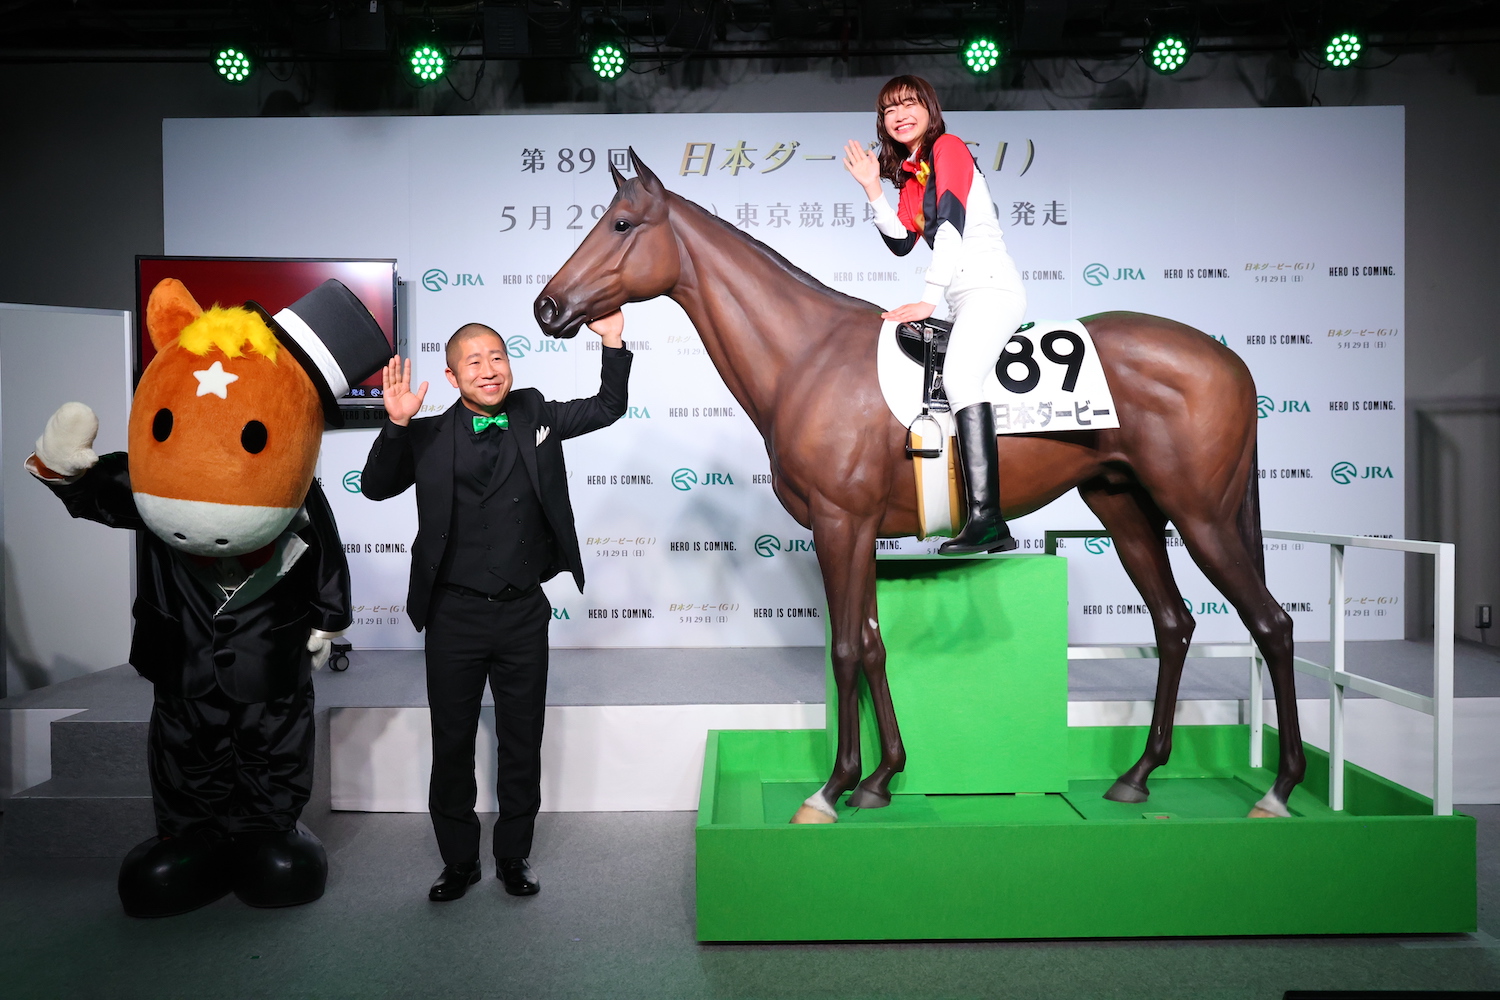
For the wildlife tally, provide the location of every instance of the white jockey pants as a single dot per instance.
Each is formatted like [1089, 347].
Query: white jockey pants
[986, 304]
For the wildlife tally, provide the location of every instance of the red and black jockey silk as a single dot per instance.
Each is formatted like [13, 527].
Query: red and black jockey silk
[936, 192]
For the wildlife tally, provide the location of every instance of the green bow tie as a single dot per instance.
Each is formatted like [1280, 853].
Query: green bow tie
[500, 420]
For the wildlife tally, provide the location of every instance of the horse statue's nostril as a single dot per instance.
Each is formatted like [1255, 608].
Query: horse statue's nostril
[546, 311]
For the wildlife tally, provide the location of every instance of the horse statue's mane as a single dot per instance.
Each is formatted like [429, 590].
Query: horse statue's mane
[786, 266]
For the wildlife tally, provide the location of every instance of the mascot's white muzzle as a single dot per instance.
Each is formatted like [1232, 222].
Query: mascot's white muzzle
[200, 528]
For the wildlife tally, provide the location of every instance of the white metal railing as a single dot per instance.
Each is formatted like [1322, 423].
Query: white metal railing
[1439, 705]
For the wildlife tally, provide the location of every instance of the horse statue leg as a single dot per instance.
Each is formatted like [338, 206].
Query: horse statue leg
[1221, 553]
[1138, 526]
[846, 555]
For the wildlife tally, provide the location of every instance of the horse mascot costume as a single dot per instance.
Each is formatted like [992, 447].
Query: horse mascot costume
[242, 582]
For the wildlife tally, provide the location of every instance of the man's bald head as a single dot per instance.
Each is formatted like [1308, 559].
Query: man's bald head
[469, 331]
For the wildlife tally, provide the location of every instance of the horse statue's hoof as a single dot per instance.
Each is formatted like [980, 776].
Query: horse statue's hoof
[1123, 791]
[863, 798]
[815, 809]
[807, 814]
[1269, 807]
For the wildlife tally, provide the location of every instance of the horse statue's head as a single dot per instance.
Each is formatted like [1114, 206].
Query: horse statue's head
[224, 429]
[629, 256]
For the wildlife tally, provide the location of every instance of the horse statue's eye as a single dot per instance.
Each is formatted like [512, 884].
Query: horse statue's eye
[622, 226]
[253, 437]
[161, 426]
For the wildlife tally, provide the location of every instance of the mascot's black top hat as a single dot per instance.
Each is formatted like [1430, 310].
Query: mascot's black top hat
[335, 338]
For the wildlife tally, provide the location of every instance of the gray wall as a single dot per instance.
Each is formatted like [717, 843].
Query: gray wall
[80, 195]
[58, 619]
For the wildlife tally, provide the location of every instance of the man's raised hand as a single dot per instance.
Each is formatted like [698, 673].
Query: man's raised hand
[401, 404]
[610, 328]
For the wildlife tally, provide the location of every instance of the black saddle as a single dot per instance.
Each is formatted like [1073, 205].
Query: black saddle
[926, 343]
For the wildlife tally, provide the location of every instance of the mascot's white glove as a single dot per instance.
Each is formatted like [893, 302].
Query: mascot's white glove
[320, 644]
[67, 443]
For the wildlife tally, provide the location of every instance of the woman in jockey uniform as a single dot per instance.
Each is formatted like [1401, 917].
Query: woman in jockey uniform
[944, 199]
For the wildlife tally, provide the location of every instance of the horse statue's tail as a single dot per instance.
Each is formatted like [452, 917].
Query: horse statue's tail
[1249, 517]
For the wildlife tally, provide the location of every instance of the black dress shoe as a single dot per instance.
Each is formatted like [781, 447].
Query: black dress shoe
[454, 882]
[518, 877]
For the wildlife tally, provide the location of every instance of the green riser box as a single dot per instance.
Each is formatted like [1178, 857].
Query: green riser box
[990, 714]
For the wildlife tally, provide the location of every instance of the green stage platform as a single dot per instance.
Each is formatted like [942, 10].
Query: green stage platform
[1072, 864]
[999, 828]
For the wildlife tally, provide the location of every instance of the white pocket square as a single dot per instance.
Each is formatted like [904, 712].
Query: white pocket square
[541, 434]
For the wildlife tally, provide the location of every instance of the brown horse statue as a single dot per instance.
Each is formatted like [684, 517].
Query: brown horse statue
[801, 359]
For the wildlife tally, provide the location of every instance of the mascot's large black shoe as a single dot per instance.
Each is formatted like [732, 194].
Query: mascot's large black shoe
[165, 876]
[985, 530]
[280, 868]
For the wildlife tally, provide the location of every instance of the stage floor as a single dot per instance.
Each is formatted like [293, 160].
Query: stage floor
[616, 919]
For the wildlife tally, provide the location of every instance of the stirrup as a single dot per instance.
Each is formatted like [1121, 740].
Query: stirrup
[937, 452]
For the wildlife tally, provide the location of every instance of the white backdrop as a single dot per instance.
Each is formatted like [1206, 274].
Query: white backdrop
[1278, 231]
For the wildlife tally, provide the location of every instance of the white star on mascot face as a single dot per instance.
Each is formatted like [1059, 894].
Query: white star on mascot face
[214, 379]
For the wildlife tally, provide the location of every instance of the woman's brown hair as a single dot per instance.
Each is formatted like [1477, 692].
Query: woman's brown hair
[893, 153]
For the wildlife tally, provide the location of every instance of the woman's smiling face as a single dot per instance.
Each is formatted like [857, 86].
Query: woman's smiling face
[906, 121]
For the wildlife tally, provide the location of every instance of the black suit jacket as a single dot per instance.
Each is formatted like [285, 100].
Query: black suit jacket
[422, 454]
[187, 639]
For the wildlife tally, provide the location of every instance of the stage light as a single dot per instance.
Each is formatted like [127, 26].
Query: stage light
[426, 62]
[608, 58]
[233, 64]
[1342, 49]
[980, 54]
[1169, 53]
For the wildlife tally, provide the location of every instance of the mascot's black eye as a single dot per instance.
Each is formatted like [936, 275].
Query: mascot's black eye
[161, 427]
[622, 226]
[253, 437]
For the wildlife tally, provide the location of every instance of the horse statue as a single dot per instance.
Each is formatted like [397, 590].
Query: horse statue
[801, 360]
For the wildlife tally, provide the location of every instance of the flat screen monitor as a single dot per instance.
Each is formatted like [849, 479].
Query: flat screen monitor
[275, 284]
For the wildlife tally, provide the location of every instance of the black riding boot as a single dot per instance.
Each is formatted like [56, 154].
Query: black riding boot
[985, 530]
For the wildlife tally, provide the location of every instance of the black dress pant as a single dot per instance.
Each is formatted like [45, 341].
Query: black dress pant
[471, 640]
[217, 763]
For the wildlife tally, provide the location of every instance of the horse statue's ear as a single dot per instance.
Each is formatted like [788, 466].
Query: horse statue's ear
[619, 178]
[169, 310]
[643, 172]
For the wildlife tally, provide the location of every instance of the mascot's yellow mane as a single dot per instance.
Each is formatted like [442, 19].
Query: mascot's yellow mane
[231, 331]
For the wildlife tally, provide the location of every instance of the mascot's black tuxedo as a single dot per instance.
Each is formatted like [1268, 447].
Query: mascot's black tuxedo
[493, 522]
[226, 664]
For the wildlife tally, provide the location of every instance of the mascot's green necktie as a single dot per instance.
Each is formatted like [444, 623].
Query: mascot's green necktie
[500, 420]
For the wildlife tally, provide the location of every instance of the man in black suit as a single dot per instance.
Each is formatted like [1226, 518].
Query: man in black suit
[493, 523]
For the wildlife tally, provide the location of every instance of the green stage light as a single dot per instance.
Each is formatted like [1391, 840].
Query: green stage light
[233, 64]
[427, 63]
[1342, 49]
[980, 54]
[1169, 53]
[608, 59]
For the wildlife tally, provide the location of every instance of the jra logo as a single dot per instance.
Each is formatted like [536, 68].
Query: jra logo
[435, 279]
[766, 546]
[686, 479]
[1097, 274]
